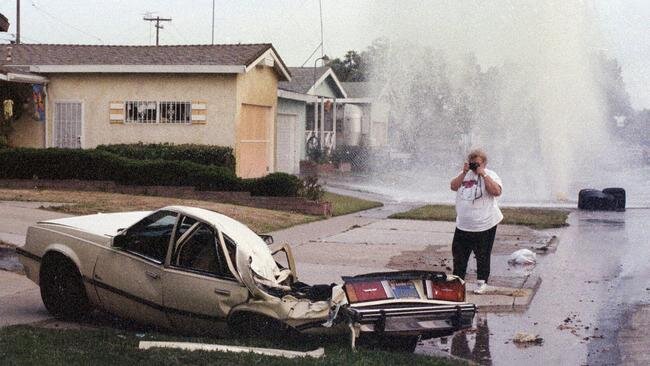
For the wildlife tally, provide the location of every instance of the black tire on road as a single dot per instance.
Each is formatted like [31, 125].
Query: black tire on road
[619, 196]
[62, 288]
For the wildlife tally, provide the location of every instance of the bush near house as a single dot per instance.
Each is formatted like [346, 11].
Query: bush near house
[274, 184]
[53, 163]
[200, 154]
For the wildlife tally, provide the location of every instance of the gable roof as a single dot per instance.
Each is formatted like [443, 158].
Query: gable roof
[305, 80]
[221, 58]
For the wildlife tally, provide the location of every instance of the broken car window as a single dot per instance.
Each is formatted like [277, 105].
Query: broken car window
[150, 237]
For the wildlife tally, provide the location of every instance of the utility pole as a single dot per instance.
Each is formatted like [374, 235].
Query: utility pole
[158, 26]
[17, 21]
[213, 22]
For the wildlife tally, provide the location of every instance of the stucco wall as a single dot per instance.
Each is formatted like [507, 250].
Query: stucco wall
[27, 132]
[298, 108]
[259, 86]
[98, 90]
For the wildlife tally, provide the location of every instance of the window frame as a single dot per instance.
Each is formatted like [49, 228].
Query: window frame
[144, 256]
[187, 109]
[219, 248]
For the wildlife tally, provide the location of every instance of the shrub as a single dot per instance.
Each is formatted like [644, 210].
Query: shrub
[53, 163]
[275, 184]
[311, 189]
[357, 156]
[101, 165]
[200, 154]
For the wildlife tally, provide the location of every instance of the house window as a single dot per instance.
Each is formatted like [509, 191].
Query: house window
[175, 112]
[141, 112]
[158, 112]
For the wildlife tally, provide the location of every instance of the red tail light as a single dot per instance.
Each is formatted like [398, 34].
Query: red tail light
[450, 290]
[366, 291]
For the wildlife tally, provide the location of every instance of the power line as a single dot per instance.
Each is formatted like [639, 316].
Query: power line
[64, 23]
[312, 54]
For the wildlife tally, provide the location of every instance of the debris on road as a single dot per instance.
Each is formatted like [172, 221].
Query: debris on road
[523, 256]
[317, 353]
[523, 338]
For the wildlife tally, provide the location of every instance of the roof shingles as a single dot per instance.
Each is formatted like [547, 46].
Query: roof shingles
[63, 54]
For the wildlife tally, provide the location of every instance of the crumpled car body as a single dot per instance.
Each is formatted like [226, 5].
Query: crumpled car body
[198, 271]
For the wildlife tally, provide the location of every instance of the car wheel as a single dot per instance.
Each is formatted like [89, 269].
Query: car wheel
[256, 325]
[399, 344]
[62, 288]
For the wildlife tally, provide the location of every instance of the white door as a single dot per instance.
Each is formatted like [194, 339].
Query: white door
[67, 124]
[286, 145]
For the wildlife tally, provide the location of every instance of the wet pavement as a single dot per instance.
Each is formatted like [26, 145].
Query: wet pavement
[585, 307]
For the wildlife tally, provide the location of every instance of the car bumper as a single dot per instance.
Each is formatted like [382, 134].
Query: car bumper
[427, 320]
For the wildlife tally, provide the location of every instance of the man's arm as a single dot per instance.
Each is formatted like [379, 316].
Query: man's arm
[458, 180]
[491, 185]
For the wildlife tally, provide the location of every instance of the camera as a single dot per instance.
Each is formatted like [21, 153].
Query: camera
[473, 166]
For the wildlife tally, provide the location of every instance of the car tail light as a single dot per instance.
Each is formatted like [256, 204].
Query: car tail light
[367, 291]
[450, 290]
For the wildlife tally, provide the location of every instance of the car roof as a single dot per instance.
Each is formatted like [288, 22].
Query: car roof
[248, 242]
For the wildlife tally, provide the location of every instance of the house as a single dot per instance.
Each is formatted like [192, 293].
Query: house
[307, 107]
[203, 94]
[366, 113]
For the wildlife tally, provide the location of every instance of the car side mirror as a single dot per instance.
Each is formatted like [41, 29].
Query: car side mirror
[268, 239]
[119, 240]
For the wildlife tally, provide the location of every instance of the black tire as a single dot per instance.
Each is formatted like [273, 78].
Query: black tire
[592, 199]
[248, 324]
[389, 343]
[619, 196]
[583, 198]
[400, 344]
[62, 288]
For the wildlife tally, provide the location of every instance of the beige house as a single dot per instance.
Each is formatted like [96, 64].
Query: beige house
[210, 94]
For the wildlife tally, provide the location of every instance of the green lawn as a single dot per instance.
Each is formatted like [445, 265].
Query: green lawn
[342, 205]
[536, 218]
[25, 345]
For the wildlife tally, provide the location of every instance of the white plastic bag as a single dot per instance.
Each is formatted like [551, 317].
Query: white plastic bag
[523, 256]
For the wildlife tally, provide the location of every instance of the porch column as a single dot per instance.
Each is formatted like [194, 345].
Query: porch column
[316, 117]
[322, 123]
[334, 124]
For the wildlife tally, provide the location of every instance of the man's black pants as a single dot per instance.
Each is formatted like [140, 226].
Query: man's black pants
[466, 242]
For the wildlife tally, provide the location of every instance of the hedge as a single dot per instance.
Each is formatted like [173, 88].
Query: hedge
[54, 163]
[200, 154]
[274, 184]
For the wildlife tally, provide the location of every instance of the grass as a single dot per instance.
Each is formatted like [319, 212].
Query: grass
[342, 205]
[259, 219]
[83, 203]
[536, 218]
[22, 345]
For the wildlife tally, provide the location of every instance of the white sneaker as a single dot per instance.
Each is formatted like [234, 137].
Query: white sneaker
[481, 288]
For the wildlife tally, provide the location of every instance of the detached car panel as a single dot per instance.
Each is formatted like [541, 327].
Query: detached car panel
[196, 270]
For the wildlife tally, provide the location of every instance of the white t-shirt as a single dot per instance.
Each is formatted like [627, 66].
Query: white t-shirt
[476, 209]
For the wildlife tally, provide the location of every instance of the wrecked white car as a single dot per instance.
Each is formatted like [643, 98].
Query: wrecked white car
[195, 270]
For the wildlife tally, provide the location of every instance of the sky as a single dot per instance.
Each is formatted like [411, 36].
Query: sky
[293, 26]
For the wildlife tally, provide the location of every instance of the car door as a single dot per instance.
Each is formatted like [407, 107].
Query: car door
[199, 288]
[129, 279]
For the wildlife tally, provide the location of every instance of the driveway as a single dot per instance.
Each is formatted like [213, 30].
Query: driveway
[17, 216]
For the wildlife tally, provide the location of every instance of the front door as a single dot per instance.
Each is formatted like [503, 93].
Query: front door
[286, 143]
[199, 289]
[129, 280]
[67, 124]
